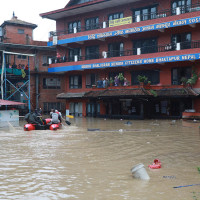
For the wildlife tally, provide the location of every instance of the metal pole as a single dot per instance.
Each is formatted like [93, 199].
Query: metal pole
[2, 77]
[29, 85]
[5, 92]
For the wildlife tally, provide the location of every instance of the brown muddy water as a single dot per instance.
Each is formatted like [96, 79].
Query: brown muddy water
[74, 163]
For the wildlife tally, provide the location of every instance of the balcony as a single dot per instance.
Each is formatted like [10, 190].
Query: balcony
[130, 52]
[135, 19]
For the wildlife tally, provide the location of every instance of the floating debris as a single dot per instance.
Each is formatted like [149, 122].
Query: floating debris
[186, 186]
[169, 177]
[93, 129]
[128, 123]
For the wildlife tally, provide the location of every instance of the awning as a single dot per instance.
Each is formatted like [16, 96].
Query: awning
[118, 93]
[129, 93]
[10, 103]
[70, 95]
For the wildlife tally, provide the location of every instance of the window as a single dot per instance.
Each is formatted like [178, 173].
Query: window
[112, 75]
[21, 57]
[146, 45]
[51, 83]
[184, 39]
[92, 23]
[92, 109]
[74, 52]
[92, 52]
[75, 2]
[115, 49]
[52, 105]
[74, 27]
[180, 6]
[75, 81]
[75, 109]
[115, 16]
[152, 75]
[91, 79]
[45, 60]
[20, 31]
[179, 73]
[143, 14]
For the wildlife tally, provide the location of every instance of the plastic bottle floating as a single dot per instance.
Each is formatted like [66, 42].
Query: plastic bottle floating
[156, 164]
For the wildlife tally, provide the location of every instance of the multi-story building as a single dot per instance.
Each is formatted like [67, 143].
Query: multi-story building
[24, 67]
[155, 42]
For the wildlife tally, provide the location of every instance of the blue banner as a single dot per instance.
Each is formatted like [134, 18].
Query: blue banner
[140, 29]
[124, 63]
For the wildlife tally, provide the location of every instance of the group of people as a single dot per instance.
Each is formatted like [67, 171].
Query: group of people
[36, 117]
[19, 66]
[104, 83]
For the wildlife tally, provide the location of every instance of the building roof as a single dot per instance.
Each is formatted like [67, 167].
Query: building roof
[4, 46]
[70, 95]
[10, 103]
[16, 22]
[128, 93]
[177, 92]
[72, 9]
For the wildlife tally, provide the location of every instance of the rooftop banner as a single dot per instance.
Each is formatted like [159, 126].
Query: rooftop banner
[152, 27]
[124, 63]
[120, 21]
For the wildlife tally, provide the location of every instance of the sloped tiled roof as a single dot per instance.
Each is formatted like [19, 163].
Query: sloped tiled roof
[136, 92]
[179, 92]
[10, 103]
[70, 95]
[15, 21]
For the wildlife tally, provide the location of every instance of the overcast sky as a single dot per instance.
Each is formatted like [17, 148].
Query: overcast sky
[29, 10]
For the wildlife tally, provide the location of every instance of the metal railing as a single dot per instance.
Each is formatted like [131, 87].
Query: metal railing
[138, 18]
[129, 52]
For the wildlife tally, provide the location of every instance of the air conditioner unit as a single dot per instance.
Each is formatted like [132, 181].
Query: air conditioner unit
[104, 24]
[55, 40]
[178, 46]
[138, 18]
[50, 61]
[104, 54]
[1, 32]
[75, 29]
[138, 51]
[178, 11]
[76, 58]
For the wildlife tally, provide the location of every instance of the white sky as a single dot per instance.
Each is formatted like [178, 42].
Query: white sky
[29, 11]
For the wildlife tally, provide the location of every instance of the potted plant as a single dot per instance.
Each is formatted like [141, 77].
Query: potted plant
[184, 80]
[142, 79]
[111, 82]
[121, 78]
[191, 81]
[148, 85]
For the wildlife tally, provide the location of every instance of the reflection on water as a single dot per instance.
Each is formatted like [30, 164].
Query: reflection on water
[74, 163]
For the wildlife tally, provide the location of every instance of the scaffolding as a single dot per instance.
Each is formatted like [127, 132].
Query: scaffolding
[15, 83]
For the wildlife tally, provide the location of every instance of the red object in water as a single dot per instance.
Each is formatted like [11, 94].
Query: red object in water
[29, 127]
[156, 164]
[53, 127]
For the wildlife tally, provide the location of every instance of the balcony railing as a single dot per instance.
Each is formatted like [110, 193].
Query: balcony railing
[129, 52]
[137, 18]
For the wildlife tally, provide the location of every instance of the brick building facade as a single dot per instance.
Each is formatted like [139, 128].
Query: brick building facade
[100, 39]
[26, 66]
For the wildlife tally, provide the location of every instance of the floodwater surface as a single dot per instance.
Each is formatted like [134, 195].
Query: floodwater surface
[92, 159]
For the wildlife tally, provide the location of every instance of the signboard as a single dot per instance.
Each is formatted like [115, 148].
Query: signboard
[124, 63]
[120, 21]
[152, 27]
[9, 117]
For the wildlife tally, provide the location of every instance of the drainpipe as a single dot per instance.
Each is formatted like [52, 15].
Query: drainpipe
[37, 90]
[36, 80]
[142, 110]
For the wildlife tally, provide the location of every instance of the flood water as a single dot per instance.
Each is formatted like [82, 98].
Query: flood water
[77, 163]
